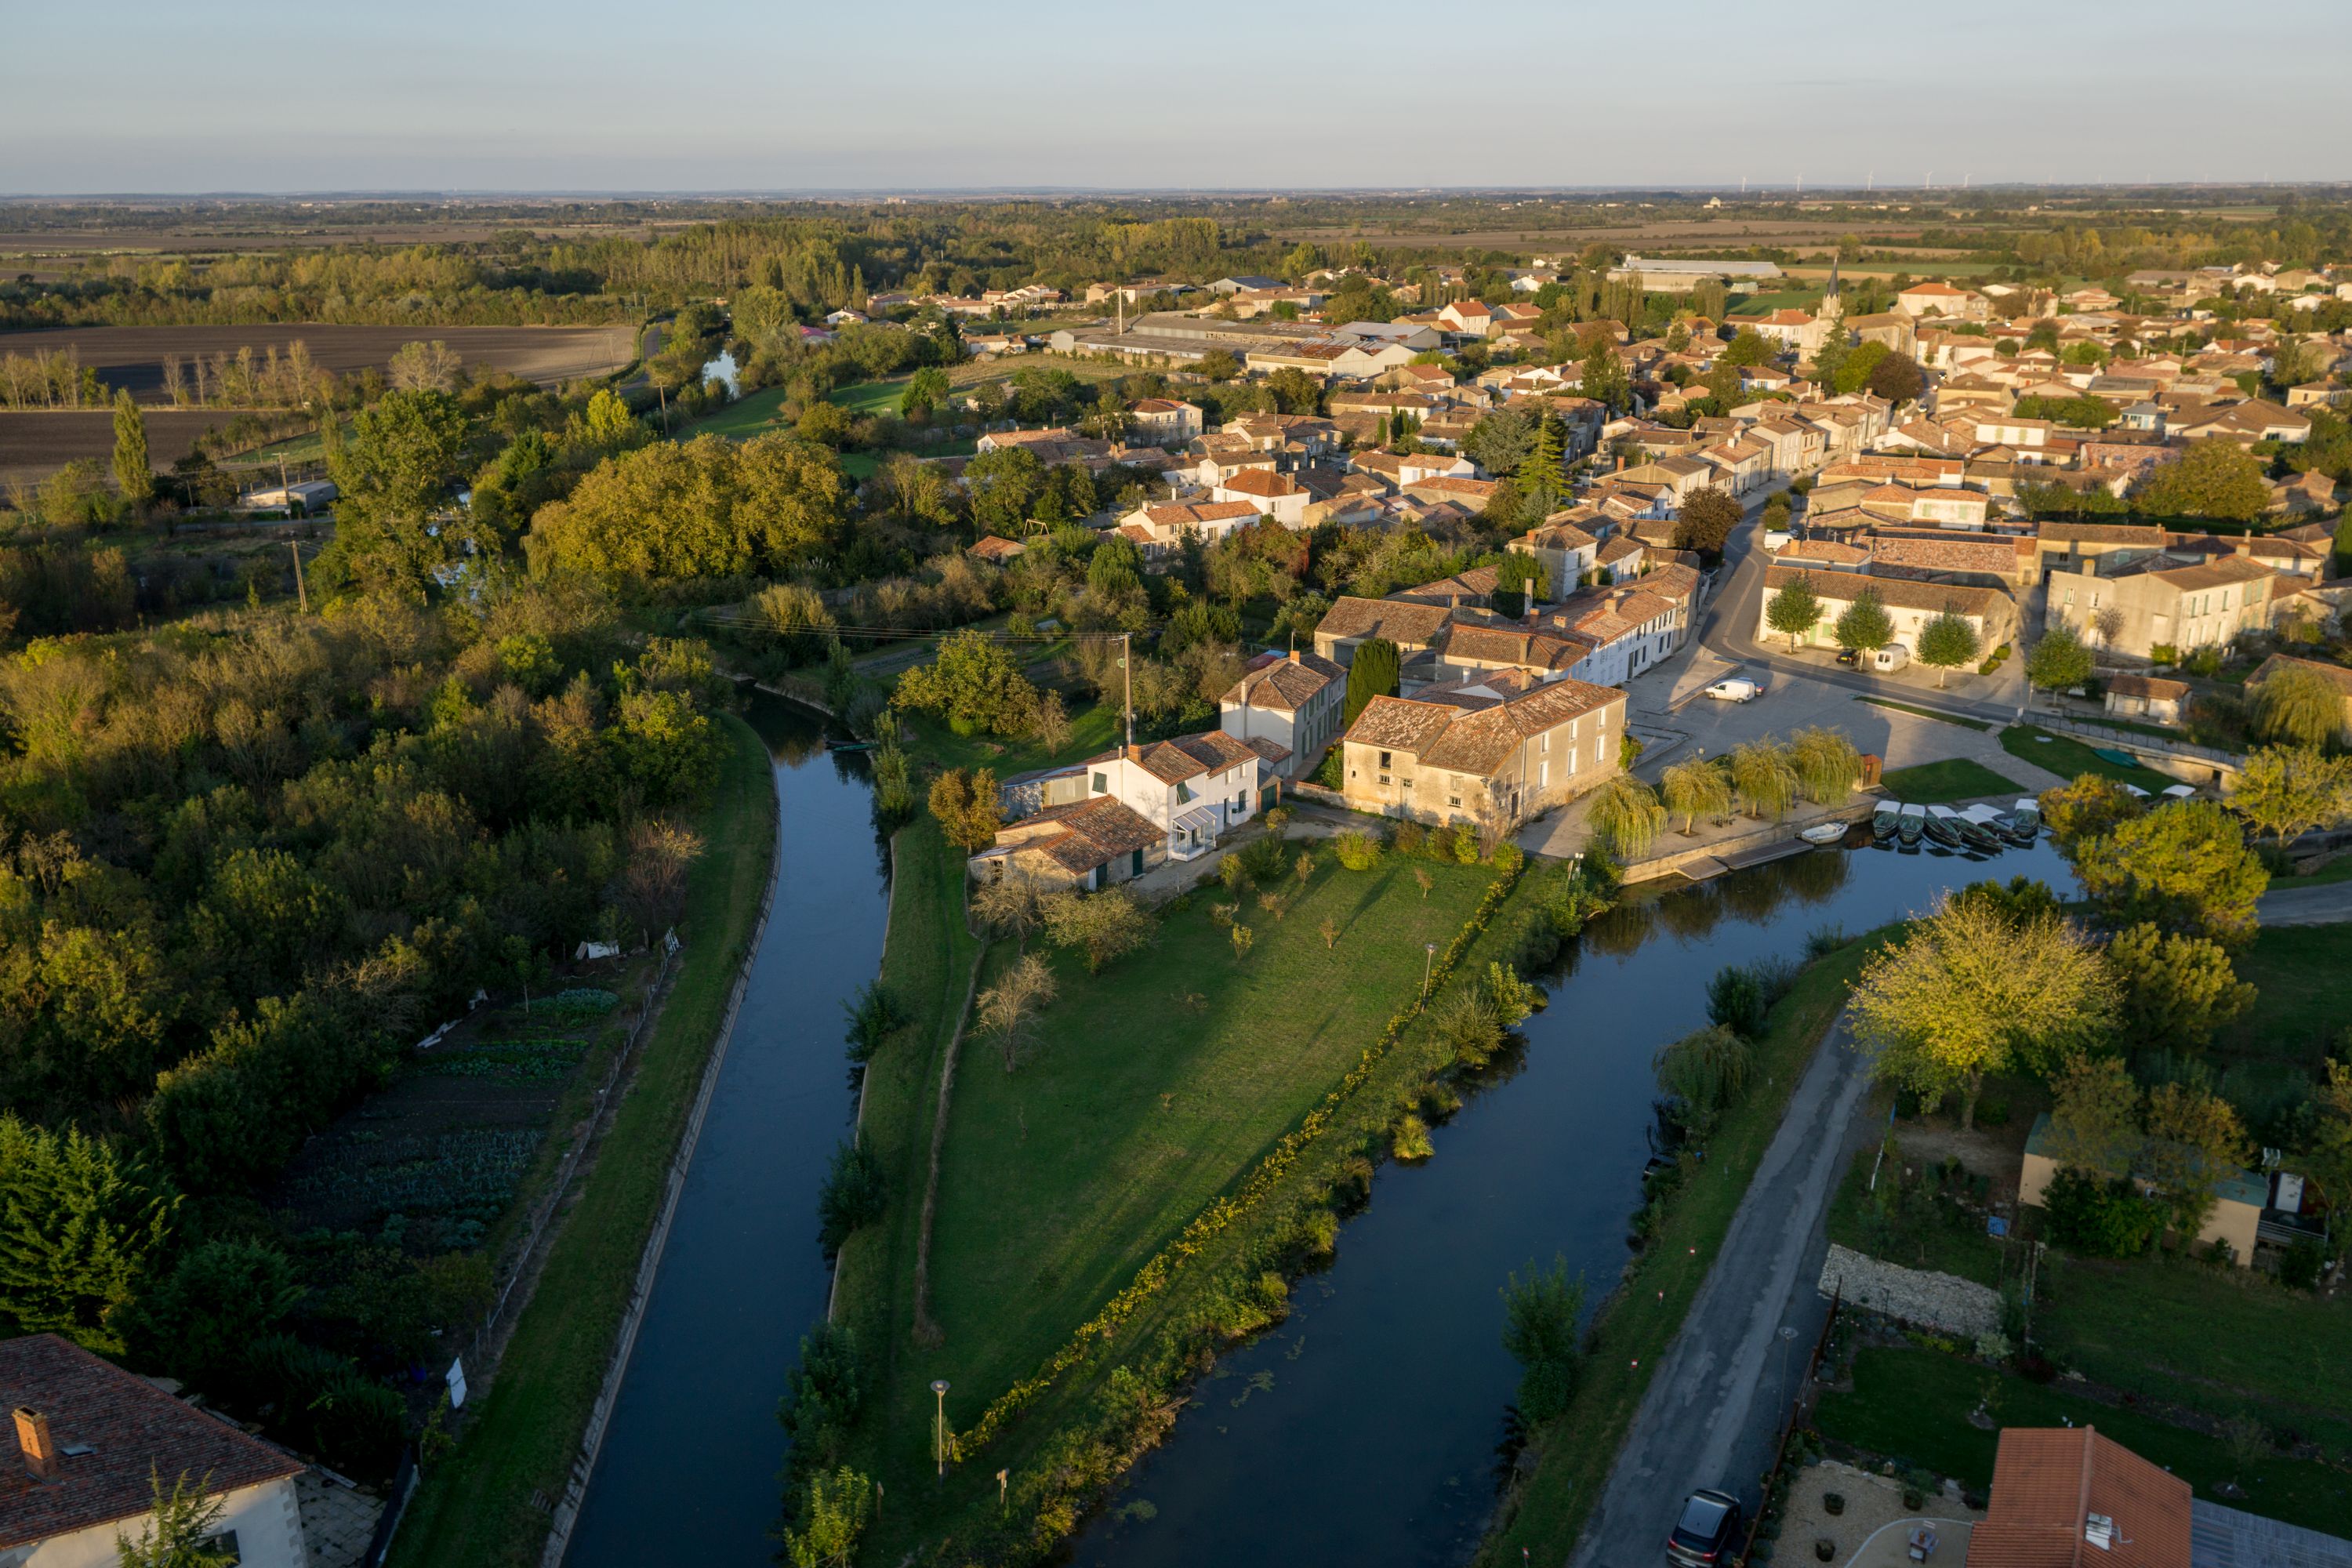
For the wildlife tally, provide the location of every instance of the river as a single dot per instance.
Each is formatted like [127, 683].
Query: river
[690, 1463]
[1364, 1430]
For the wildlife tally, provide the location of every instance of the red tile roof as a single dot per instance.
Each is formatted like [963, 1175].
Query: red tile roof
[2047, 1484]
[131, 1430]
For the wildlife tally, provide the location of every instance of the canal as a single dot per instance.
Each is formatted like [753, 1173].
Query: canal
[690, 1463]
[1365, 1430]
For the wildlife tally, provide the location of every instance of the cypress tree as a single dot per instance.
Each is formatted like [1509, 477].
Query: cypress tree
[1373, 672]
[133, 470]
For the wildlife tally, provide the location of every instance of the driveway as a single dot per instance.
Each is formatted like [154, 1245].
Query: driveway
[1713, 1410]
[2326, 905]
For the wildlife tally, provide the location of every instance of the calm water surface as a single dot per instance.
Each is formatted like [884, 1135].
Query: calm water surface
[689, 1472]
[1364, 1431]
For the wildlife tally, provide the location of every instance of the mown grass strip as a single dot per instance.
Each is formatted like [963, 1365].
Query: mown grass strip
[1544, 1515]
[475, 1507]
[1979, 725]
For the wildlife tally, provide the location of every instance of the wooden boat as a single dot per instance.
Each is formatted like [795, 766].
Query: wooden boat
[1944, 827]
[1983, 823]
[1823, 833]
[2026, 817]
[1886, 819]
[1910, 822]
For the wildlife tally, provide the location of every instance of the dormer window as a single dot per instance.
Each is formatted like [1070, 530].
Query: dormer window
[1183, 795]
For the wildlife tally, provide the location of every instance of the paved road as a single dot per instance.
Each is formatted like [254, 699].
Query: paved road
[2329, 904]
[1713, 1411]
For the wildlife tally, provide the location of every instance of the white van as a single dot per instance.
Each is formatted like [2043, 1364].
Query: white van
[1893, 656]
[1738, 688]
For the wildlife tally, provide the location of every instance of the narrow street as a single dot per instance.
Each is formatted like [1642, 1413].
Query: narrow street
[1712, 1414]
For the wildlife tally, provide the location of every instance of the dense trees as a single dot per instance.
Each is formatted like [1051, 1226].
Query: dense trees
[1973, 991]
[2215, 478]
[706, 508]
[1374, 671]
[2184, 867]
[1707, 517]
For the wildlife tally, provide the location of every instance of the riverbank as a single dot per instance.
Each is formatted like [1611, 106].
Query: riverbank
[1176, 1145]
[489, 1501]
[1545, 1511]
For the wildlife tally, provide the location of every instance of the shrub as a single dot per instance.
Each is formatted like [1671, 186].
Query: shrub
[874, 1017]
[2101, 1219]
[854, 1194]
[1265, 859]
[2300, 1267]
[1409, 838]
[1411, 1138]
[1465, 843]
[1541, 1311]
[1357, 851]
[1735, 1002]
[1508, 858]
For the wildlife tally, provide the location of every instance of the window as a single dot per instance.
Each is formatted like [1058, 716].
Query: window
[1183, 795]
[1547, 740]
[1384, 762]
[1102, 784]
[1454, 800]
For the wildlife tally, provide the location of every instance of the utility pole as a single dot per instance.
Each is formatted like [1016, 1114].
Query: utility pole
[1126, 674]
[301, 594]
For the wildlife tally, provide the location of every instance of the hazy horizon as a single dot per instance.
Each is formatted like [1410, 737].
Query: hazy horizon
[730, 100]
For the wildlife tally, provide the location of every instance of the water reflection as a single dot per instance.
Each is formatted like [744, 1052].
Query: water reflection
[1375, 1442]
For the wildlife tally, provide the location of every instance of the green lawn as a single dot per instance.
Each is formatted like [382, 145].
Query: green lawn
[475, 1505]
[1914, 1406]
[2224, 1341]
[1093, 730]
[2336, 870]
[1545, 1515]
[1940, 783]
[1977, 724]
[754, 414]
[871, 396]
[2070, 757]
[1148, 1090]
[1152, 1088]
[2299, 974]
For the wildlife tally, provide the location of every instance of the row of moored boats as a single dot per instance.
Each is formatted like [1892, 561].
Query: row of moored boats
[1973, 827]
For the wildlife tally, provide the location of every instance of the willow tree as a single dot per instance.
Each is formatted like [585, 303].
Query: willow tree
[1827, 764]
[1693, 788]
[1765, 777]
[2296, 705]
[1626, 816]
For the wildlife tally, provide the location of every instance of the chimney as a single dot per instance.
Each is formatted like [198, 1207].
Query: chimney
[33, 1438]
[1621, 462]
[1294, 655]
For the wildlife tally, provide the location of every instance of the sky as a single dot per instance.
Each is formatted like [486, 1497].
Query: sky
[694, 95]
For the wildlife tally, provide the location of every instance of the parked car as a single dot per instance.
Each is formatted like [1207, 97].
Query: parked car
[1735, 688]
[1893, 656]
[1849, 657]
[1708, 1531]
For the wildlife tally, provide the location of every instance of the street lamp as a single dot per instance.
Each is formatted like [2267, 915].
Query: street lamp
[939, 1424]
[1429, 958]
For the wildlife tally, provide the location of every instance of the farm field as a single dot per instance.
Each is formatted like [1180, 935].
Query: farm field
[34, 445]
[132, 357]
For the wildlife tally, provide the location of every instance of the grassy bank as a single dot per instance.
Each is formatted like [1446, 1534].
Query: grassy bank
[476, 1506]
[2071, 759]
[1149, 1093]
[1914, 1406]
[1940, 783]
[1544, 1515]
[1938, 715]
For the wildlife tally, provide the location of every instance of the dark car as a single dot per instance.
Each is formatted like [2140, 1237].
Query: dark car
[1849, 657]
[1708, 1534]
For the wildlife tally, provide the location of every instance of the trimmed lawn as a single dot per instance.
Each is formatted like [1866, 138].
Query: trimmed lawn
[2225, 1341]
[1940, 783]
[1913, 1404]
[1977, 724]
[2336, 870]
[1630, 1337]
[1093, 730]
[1148, 1089]
[476, 1506]
[871, 396]
[2070, 757]
[754, 414]
[2299, 971]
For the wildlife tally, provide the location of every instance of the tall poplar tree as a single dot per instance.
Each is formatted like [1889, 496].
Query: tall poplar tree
[133, 470]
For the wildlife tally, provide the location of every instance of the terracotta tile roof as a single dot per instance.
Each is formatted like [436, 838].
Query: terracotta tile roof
[1478, 583]
[1171, 518]
[2048, 1483]
[1283, 684]
[1398, 723]
[2225, 572]
[131, 1430]
[993, 548]
[1913, 552]
[2334, 674]
[1895, 592]
[2153, 687]
[1262, 482]
[1402, 623]
[1829, 552]
[1085, 833]
[1521, 647]
[1188, 756]
[2102, 533]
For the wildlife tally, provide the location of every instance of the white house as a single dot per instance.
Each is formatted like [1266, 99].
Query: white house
[1293, 699]
[91, 1441]
[1194, 787]
[1277, 496]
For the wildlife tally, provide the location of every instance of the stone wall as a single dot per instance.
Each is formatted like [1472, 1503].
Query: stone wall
[1941, 1301]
